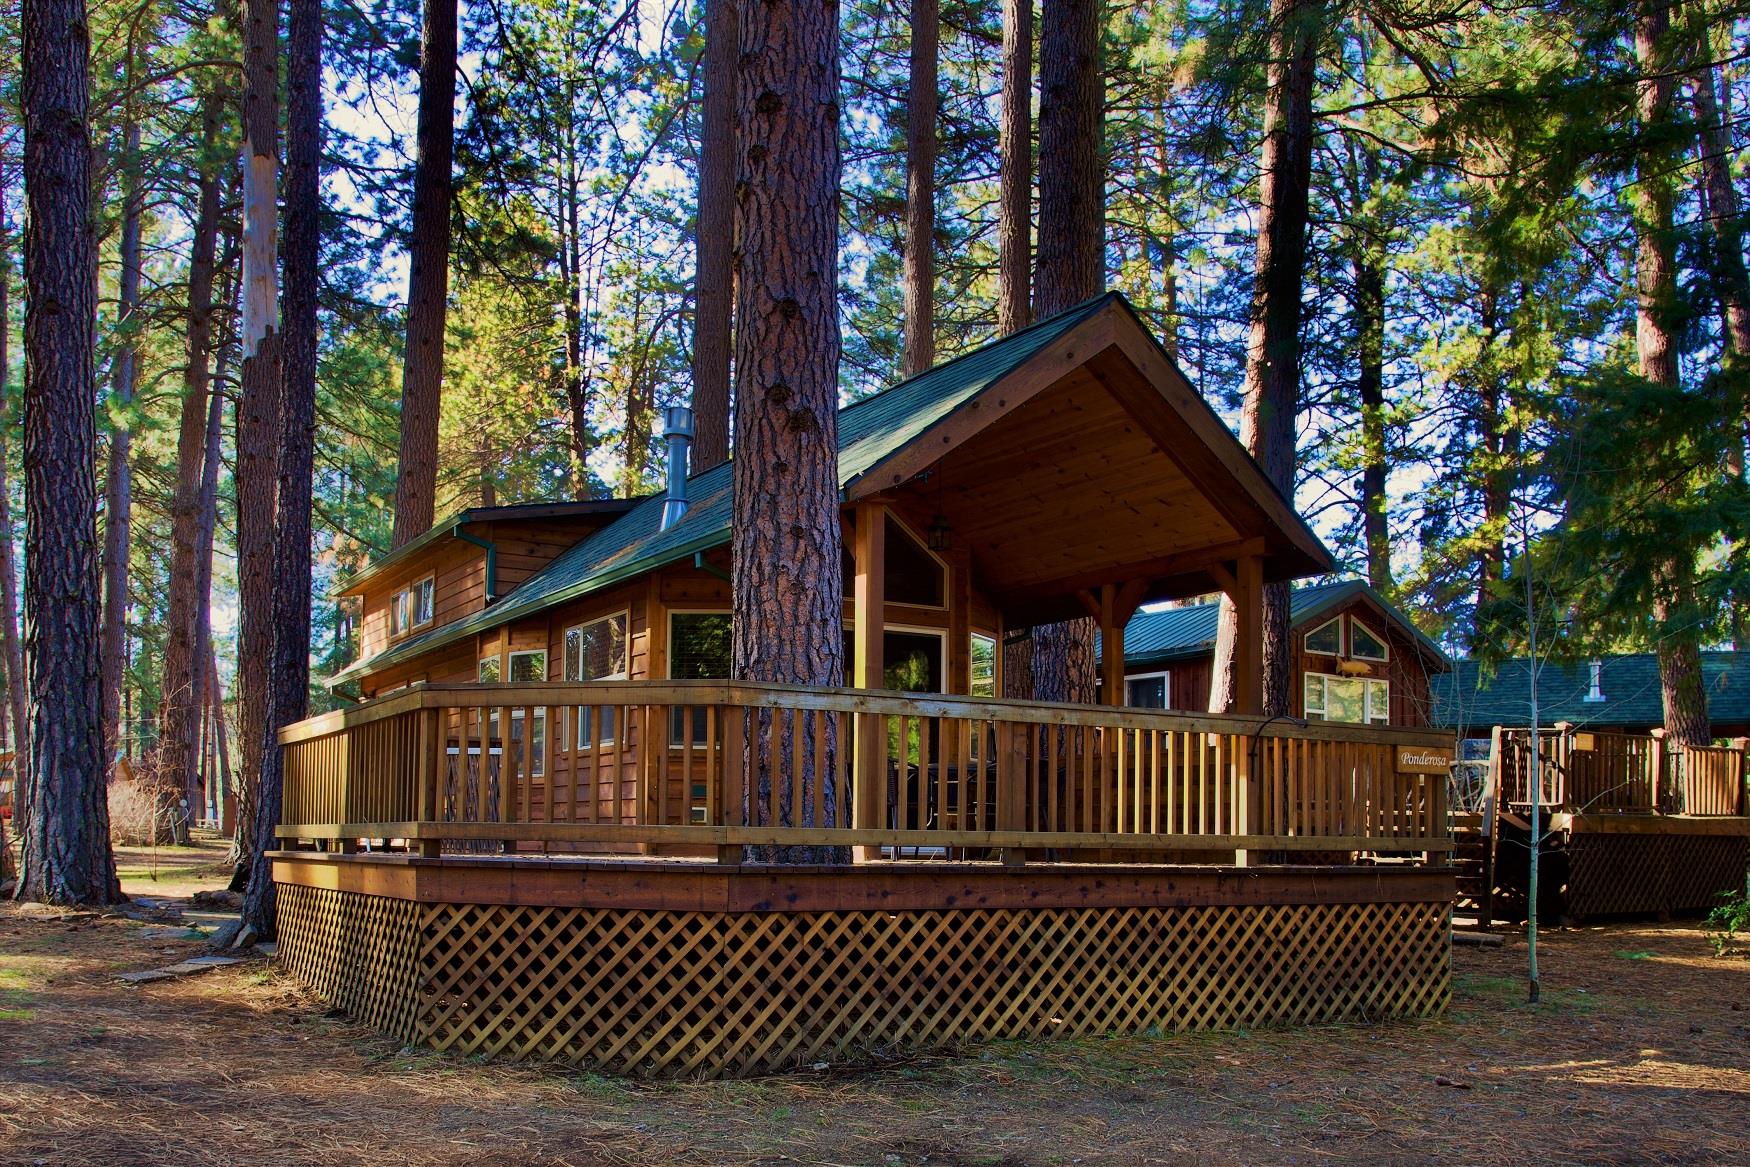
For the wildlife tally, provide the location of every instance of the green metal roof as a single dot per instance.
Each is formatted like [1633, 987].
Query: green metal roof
[1181, 633]
[869, 430]
[1472, 699]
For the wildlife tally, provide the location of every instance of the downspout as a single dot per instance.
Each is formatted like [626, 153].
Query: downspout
[708, 568]
[491, 560]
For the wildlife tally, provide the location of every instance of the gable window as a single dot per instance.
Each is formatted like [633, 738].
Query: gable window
[1356, 700]
[1327, 638]
[699, 649]
[912, 573]
[1363, 644]
[984, 666]
[596, 652]
[1146, 691]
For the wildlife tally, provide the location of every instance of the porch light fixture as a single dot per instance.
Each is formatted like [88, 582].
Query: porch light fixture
[938, 533]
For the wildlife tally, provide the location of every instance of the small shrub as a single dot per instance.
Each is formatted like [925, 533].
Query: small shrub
[141, 813]
[1728, 925]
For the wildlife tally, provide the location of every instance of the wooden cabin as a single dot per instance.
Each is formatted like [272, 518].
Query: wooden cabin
[546, 830]
[1357, 658]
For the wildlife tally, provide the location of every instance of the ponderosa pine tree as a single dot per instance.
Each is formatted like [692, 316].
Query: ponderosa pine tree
[1015, 175]
[1272, 385]
[788, 618]
[1072, 234]
[288, 673]
[428, 275]
[920, 192]
[11, 649]
[714, 284]
[67, 857]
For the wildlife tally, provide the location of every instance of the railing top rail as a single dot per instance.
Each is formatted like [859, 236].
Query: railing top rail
[425, 695]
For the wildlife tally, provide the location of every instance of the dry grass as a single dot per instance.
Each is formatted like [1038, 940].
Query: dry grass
[1638, 1054]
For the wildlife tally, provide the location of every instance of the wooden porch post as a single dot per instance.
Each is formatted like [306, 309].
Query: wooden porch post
[1248, 598]
[868, 613]
[1113, 608]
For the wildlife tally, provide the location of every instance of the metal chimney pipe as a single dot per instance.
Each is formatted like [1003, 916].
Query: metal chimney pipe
[677, 429]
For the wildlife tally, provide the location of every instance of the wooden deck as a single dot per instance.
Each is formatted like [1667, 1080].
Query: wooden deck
[1022, 870]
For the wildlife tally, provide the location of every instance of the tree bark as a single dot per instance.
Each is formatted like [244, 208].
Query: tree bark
[118, 493]
[11, 649]
[258, 409]
[67, 857]
[788, 623]
[180, 702]
[1272, 383]
[288, 686]
[1015, 175]
[1369, 275]
[715, 292]
[428, 279]
[1072, 245]
[1657, 320]
[919, 276]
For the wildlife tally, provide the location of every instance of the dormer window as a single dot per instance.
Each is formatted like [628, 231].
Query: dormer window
[1363, 644]
[1596, 692]
[1326, 639]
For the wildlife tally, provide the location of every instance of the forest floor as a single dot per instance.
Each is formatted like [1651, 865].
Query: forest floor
[1638, 1053]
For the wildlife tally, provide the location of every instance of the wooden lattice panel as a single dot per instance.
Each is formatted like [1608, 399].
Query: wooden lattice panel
[654, 992]
[357, 951]
[1626, 874]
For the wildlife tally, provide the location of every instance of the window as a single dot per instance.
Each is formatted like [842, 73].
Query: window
[913, 574]
[411, 607]
[489, 670]
[423, 593]
[400, 613]
[984, 666]
[1357, 700]
[1363, 644]
[1146, 691]
[1327, 638]
[596, 652]
[528, 664]
[699, 649]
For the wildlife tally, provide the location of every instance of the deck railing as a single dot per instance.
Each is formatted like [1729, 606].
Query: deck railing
[717, 765]
[1590, 772]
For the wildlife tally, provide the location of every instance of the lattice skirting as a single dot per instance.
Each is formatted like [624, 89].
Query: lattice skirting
[360, 952]
[672, 993]
[1625, 874]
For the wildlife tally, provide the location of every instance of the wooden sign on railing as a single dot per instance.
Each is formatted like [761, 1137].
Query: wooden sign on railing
[1424, 760]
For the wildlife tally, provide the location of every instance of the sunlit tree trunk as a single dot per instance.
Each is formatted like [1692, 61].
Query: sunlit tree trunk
[714, 292]
[919, 276]
[1272, 384]
[67, 858]
[428, 279]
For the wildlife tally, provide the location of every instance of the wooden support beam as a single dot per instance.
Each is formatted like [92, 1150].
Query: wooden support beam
[869, 552]
[1248, 598]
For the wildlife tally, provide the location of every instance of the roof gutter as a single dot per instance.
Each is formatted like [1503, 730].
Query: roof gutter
[491, 560]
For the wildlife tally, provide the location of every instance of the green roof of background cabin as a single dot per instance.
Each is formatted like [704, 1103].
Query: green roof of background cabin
[1471, 698]
[1171, 634]
[869, 430]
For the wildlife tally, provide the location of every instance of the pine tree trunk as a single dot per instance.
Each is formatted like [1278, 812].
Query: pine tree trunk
[11, 650]
[919, 277]
[571, 263]
[428, 279]
[258, 409]
[1015, 176]
[179, 705]
[788, 623]
[67, 858]
[1072, 248]
[288, 687]
[715, 244]
[1369, 273]
[1272, 384]
[1658, 316]
[118, 493]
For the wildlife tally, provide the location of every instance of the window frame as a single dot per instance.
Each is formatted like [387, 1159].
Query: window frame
[1368, 686]
[1384, 645]
[428, 585]
[400, 610]
[923, 544]
[996, 647]
[1166, 681]
[579, 722]
[1306, 640]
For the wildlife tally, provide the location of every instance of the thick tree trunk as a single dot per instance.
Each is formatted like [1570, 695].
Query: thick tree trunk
[1015, 176]
[258, 409]
[67, 858]
[179, 705]
[1658, 316]
[1272, 384]
[118, 492]
[571, 265]
[428, 279]
[11, 650]
[288, 685]
[919, 277]
[715, 286]
[1072, 247]
[788, 623]
[1369, 273]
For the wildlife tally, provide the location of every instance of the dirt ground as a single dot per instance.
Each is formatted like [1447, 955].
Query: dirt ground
[1639, 1053]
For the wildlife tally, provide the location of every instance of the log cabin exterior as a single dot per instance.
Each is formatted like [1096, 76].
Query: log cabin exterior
[540, 833]
[1356, 658]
